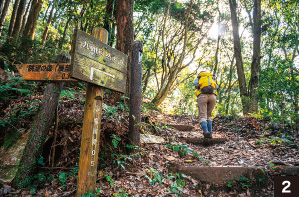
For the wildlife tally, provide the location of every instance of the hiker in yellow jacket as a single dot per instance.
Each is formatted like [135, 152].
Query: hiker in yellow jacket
[206, 93]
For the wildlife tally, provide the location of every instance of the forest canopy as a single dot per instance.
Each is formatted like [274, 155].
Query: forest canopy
[250, 46]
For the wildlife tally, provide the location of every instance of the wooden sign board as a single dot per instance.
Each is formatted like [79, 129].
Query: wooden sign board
[46, 72]
[96, 62]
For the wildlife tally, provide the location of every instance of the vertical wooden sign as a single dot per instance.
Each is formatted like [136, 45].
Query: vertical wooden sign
[89, 150]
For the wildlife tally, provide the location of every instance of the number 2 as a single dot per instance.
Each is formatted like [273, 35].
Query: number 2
[288, 184]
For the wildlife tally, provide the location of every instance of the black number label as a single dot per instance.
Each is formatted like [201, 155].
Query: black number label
[65, 76]
[288, 184]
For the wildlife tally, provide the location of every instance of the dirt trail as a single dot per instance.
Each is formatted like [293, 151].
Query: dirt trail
[148, 173]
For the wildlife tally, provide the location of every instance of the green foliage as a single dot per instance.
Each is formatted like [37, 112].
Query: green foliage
[32, 191]
[153, 176]
[40, 161]
[178, 184]
[184, 150]
[19, 113]
[110, 112]
[63, 175]
[67, 94]
[109, 179]
[115, 140]
[13, 86]
[91, 194]
[122, 194]
[229, 184]
[195, 154]
[62, 178]
[276, 140]
[74, 171]
[244, 181]
[121, 160]
[271, 164]
[11, 136]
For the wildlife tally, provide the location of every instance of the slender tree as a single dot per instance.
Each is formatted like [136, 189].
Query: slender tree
[238, 56]
[45, 34]
[187, 32]
[1, 6]
[18, 21]
[218, 40]
[3, 15]
[25, 17]
[13, 17]
[65, 31]
[256, 59]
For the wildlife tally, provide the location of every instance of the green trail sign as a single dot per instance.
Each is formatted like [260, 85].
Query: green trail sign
[96, 62]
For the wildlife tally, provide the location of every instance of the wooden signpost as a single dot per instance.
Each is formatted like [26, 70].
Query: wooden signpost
[101, 66]
[95, 62]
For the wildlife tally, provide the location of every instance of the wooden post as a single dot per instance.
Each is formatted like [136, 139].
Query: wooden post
[135, 94]
[88, 161]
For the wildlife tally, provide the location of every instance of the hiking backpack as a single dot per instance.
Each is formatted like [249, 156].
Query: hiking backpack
[206, 83]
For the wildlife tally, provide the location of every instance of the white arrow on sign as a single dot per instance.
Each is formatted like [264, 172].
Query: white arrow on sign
[92, 69]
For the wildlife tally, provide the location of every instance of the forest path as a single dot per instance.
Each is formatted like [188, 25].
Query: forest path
[237, 153]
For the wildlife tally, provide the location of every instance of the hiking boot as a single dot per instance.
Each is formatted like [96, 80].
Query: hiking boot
[210, 134]
[204, 128]
[206, 134]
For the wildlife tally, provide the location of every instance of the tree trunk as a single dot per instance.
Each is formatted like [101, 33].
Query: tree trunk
[125, 32]
[108, 22]
[255, 65]
[238, 56]
[64, 32]
[32, 21]
[167, 82]
[1, 6]
[46, 12]
[45, 34]
[18, 21]
[13, 18]
[25, 18]
[229, 85]
[3, 15]
[146, 78]
[218, 41]
[39, 130]
[163, 92]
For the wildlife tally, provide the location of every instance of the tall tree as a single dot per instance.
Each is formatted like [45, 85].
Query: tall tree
[32, 21]
[45, 34]
[238, 56]
[218, 40]
[64, 32]
[3, 15]
[256, 59]
[125, 32]
[25, 17]
[179, 35]
[18, 21]
[13, 17]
